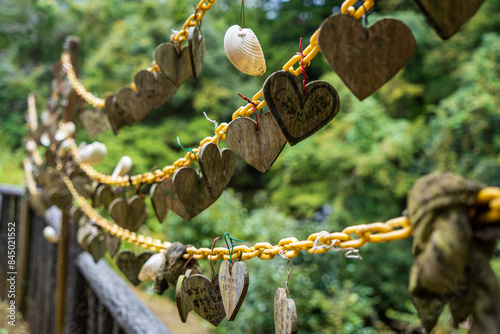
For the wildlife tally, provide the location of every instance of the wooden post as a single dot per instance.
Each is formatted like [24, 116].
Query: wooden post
[23, 259]
[62, 264]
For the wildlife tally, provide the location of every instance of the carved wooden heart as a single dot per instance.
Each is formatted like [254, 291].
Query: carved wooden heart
[217, 168]
[182, 307]
[192, 191]
[130, 265]
[133, 103]
[285, 313]
[448, 16]
[365, 60]
[94, 121]
[96, 245]
[128, 214]
[164, 197]
[258, 148]
[82, 186]
[118, 117]
[233, 286]
[297, 115]
[197, 50]
[203, 298]
[156, 88]
[105, 195]
[112, 244]
[177, 67]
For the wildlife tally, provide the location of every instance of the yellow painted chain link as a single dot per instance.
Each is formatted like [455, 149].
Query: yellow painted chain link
[32, 117]
[192, 21]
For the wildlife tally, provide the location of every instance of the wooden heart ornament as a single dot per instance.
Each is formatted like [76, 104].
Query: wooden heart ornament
[365, 59]
[197, 50]
[257, 147]
[204, 298]
[217, 168]
[285, 313]
[299, 115]
[112, 244]
[155, 88]
[96, 245]
[182, 307]
[130, 265]
[164, 197]
[233, 286]
[128, 214]
[104, 195]
[176, 66]
[118, 117]
[448, 16]
[134, 104]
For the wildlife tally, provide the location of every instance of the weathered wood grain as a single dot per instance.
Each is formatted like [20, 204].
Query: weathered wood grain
[112, 244]
[156, 88]
[177, 67]
[128, 214]
[130, 264]
[182, 307]
[197, 50]
[233, 286]
[217, 167]
[285, 313]
[104, 195]
[134, 104]
[365, 60]
[258, 148]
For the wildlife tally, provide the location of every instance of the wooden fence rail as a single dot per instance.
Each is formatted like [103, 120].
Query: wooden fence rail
[96, 299]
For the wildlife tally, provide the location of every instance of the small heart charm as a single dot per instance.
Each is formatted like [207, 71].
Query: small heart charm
[285, 314]
[94, 121]
[134, 103]
[130, 265]
[164, 197]
[155, 88]
[96, 245]
[258, 148]
[177, 67]
[217, 168]
[191, 191]
[104, 195]
[112, 244]
[233, 286]
[365, 60]
[82, 186]
[182, 307]
[204, 298]
[448, 16]
[118, 117]
[128, 214]
[297, 115]
[197, 50]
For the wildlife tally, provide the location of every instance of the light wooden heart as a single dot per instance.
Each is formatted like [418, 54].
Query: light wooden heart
[94, 121]
[204, 298]
[164, 197]
[82, 186]
[128, 214]
[233, 286]
[258, 148]
[182, 307]
[285, 313]
[365, 60]
[112, 244]
[192, 191]
[197, 50]
[60, 197]
[118, 117]
[448, 16]
[96, 245]
[133, 103]
[156, 88]
[217, 168]
[105, 195]
[130, 265]
[297, 115]
[177, 67]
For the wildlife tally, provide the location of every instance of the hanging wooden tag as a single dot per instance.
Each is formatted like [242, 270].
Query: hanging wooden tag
[156, 88]
[365, 59]
[297, 115]
[118, 117]
[217, 167]
[130, 265]
[192, 191]
[285, 313]
[105, 195]
[75, 213]
[82, 234]
[197, 50]
[203, 298]
[112, 244]
[96, 245]
[60, 197]
[448, 16]
[128, 214]
[164, 197]
[177, 67]
[182, 307]
[233, 287]
[82, 186]
[133, 103]
[258, 148]
[94, 121]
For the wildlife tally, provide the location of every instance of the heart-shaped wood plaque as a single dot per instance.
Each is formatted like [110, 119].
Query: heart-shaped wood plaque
[365, 59]
[130, 265]
[217, 167]
[128, 214]
[285, 313]
[448, 16]
[233, 286]
[177, 67]
[164, 197]
[197, 50]
[257, 147]
[299, 115]
[182, 307]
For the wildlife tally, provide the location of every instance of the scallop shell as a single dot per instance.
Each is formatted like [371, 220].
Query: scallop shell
[92, 154]
[65, 130]
[45, 139]
[152, 267]
[50, 234]
[243, 51]
[30, 146]
[122, 167]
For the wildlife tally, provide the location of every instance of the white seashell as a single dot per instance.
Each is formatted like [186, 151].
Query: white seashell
[64, 148]
[66, 130]
[243, 51]
[44, 139]
[152, 267]
[122, 167]
[50, 234]
[92, 154]
[30, 146]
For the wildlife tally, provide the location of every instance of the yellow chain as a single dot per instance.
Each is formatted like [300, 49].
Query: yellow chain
[32, 119]
[192, 21]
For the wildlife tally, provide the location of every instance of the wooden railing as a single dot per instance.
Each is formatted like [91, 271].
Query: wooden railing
[95, 298]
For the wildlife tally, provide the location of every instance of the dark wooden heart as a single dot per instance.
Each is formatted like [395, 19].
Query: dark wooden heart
[156, 88]
[94, 121]
[217, 168]
[112, 244]
[285, 313]
[297, 115]
[164, 197]
[203, 298]
[118, 117]
[133, 103]
[365, 61]
[105, 195]
[182, 307]
[128, 214]
[82, 186]
[96, 245]
[448, 16]
[258, 148]
[197, 50]
[233, 286]
[177, 67]
[130, 265]
[192, 191]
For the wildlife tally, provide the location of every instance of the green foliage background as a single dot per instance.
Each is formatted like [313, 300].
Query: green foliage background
[439, 113]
